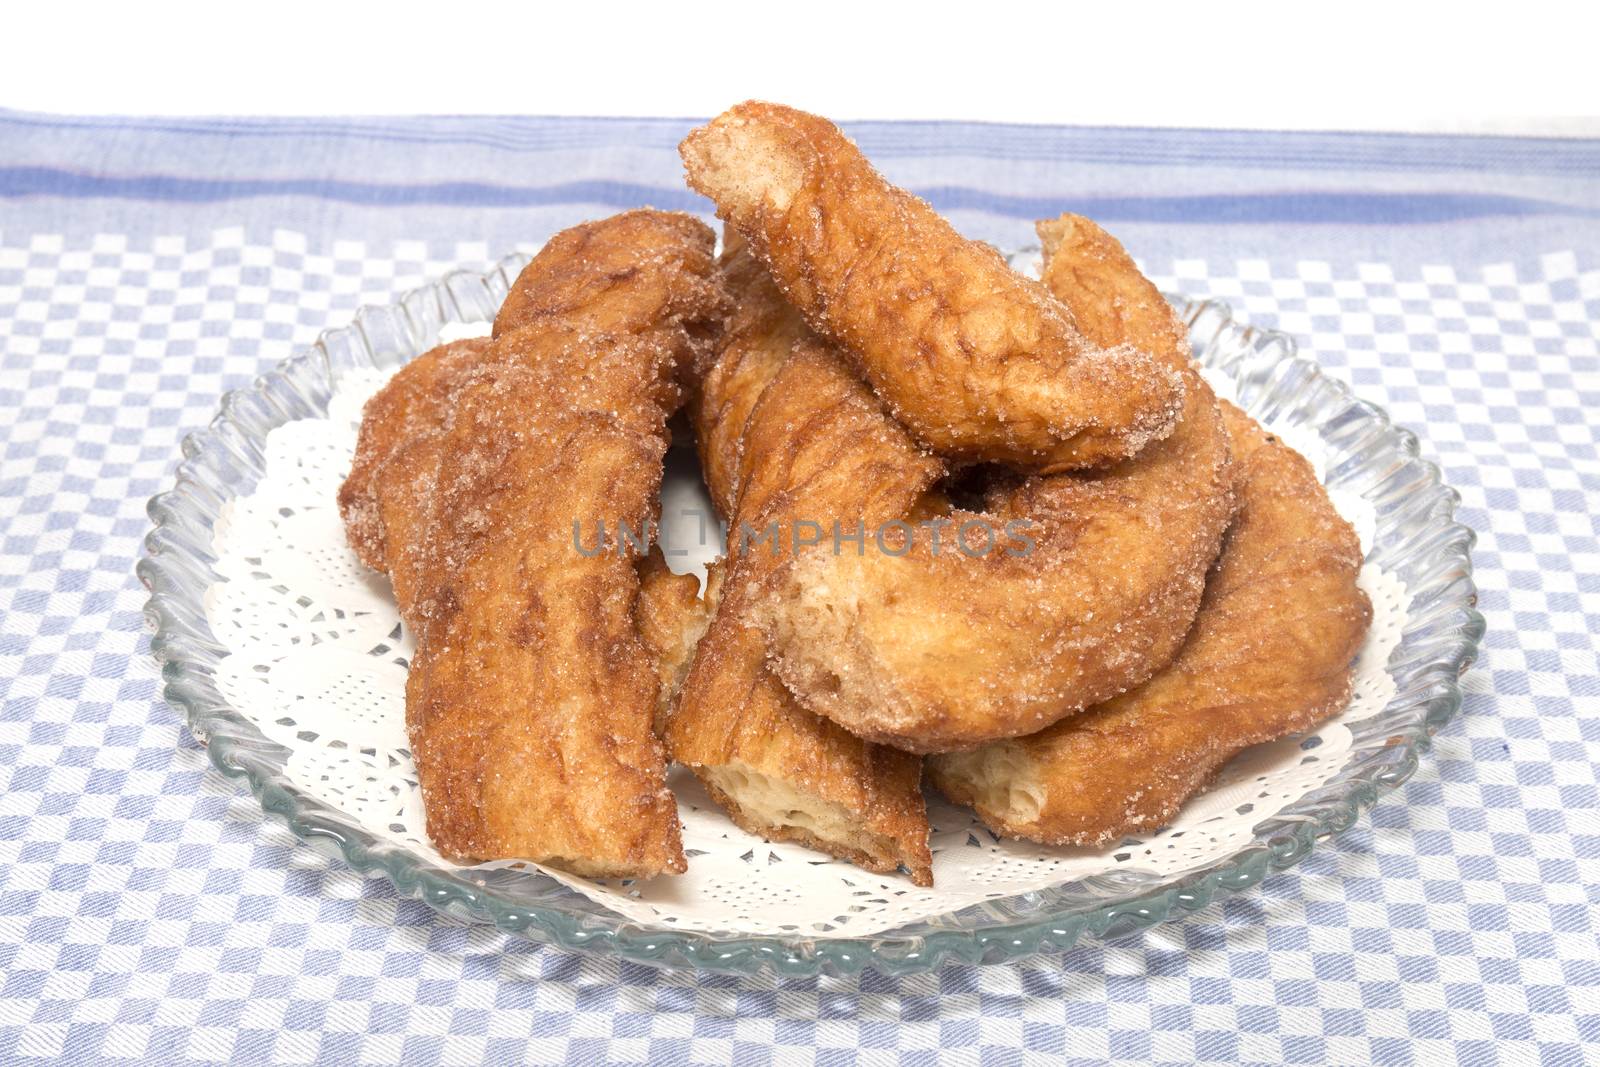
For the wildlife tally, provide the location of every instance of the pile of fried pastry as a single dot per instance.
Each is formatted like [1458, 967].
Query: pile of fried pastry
[1184, 589]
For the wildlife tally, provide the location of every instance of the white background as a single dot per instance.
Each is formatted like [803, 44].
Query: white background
[1514, 67]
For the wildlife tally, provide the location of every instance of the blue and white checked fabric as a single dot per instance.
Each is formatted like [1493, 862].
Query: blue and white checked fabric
[149, 913]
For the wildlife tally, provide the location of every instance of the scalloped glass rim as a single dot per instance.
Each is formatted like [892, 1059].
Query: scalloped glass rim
[1417, 538]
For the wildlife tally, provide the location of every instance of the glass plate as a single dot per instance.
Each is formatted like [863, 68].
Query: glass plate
[1417, 539]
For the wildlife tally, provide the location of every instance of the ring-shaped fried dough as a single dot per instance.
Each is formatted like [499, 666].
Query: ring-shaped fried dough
[938, 648]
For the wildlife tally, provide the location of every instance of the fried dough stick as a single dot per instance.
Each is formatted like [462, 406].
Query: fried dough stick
[977, 361]
[530, 699]
[788, 432]
[940, 649]
[640, 271]
[1269, 656]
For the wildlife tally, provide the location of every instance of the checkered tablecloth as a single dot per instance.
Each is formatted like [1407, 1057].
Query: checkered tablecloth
[149, 913]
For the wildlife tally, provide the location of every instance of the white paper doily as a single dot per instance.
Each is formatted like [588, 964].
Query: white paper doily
[317, 660]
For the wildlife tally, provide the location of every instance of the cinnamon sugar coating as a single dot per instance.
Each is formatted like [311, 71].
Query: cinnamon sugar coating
[1269, 656]
[977, 361]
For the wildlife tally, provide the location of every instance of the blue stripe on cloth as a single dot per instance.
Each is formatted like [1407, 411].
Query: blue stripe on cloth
[1269, 150]
[1308, 206]
[31, 181]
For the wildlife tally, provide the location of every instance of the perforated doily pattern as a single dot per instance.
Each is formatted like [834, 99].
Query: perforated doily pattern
[317, 660]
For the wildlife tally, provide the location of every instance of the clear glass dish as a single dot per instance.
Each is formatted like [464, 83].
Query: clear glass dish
[1416, 538]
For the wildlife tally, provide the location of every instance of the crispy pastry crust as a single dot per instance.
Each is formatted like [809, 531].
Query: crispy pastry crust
[1269, 656]
[530, 700]
[938, 650]
[977, 361]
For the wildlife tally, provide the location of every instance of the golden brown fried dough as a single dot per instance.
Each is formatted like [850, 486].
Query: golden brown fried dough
[637, 271]
[937, 649]
[977, 361]
[1269, 656]
[761, 331]
[412, 403]
[530, 699]
[785, 435]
